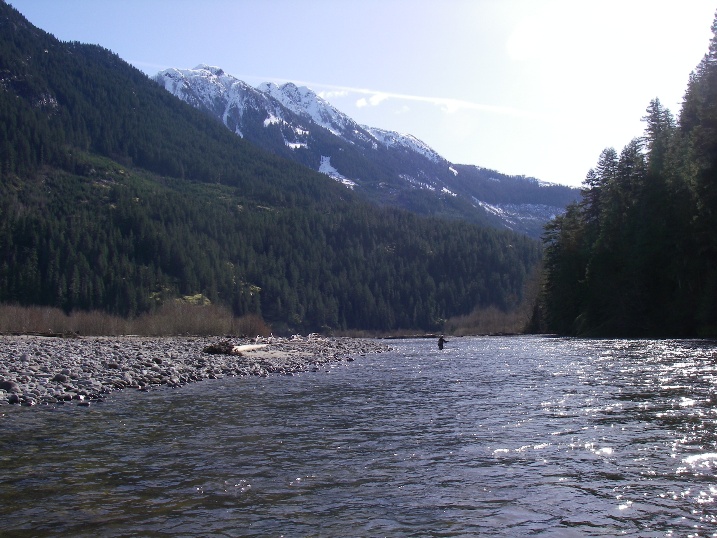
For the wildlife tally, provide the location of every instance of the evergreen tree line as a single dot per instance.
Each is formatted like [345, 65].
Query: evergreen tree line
[125, 243]
[637, 256]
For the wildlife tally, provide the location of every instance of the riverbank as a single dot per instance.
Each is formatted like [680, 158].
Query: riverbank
[40, 370]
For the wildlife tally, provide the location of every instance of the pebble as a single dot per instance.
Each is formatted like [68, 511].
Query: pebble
[40, 370]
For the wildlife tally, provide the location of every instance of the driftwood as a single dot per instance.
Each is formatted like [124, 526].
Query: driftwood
[227, 348]
[46, 334]
[237, 350]
[224, 347]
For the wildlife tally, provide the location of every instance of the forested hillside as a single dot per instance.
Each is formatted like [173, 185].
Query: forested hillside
[115, 195]
[638, 255]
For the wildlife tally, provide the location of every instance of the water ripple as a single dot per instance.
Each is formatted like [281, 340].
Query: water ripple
[490, 437]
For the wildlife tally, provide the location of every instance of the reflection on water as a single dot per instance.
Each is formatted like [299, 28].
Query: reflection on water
[491, 436]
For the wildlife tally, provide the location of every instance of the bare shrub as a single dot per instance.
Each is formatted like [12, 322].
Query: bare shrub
[492, 320]
[489, 320]
[19, 319]
[251, 325]
[96, 323]
[171, 319]
[184, 318]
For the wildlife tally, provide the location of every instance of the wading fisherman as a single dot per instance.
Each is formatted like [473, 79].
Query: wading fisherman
[441, 341]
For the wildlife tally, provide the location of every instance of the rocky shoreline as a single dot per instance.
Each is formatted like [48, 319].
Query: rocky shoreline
[40, 370]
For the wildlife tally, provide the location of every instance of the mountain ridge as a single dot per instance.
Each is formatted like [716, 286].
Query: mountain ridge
[389, 167]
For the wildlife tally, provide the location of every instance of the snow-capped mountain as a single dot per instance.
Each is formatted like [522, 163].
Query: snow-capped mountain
[407, 141]
[305, 103]
[388, 167]
[224, 96]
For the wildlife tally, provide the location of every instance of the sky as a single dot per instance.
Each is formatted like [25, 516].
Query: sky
[525, 87]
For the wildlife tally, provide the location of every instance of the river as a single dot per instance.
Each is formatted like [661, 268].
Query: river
[491, 436]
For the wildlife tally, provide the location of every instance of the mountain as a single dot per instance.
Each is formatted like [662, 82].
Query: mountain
[388, 167]
[117, 196]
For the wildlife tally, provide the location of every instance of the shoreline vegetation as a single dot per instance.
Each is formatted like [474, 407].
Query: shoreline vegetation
[177, 318]
[182, 318]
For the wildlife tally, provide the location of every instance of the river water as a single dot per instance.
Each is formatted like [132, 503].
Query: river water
[491, 436]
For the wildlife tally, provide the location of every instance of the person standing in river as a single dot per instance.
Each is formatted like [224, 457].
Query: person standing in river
[441, 341]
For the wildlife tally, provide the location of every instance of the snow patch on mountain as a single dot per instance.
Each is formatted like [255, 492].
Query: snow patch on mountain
[517, 213]
[326, 168]
[540, 182]
[272, 120]
[417, 183]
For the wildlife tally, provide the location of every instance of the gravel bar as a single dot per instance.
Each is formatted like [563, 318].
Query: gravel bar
[40, 370]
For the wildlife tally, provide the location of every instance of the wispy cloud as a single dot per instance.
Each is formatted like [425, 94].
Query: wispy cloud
[370, 97]
[376, 97]
[331, 94]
